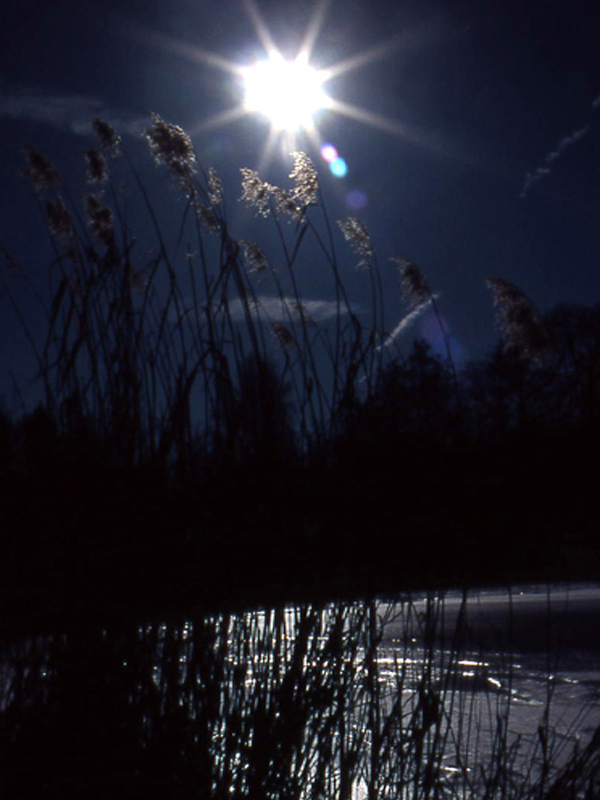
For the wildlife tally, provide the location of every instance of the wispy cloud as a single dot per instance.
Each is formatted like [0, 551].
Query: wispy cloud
[67, 112]
[564, 144]
[270, 308]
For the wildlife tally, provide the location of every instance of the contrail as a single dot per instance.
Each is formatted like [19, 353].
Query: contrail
[564, 144]
[406, 322]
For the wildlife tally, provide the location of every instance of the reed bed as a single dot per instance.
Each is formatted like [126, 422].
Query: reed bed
[169, 341]
[171, 349]
[173, 355]
[295, 702]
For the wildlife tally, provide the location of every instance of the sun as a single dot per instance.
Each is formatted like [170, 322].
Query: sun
[287, 93]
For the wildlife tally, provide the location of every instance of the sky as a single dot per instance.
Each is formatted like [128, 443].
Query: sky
[473, 149]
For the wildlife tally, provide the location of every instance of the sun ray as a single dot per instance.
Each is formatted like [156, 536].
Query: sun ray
[186, 50]
[361, 59]
[314, 28]
[268, 151]
[314, 136]
[369, 118]
[261, 30]
[290, 92]
[218, 120]
[395, 127]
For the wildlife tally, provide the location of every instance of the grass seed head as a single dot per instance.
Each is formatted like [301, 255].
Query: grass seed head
[60, 222]
[108, 138]
[256, 192]
[415, 288]
[306, 181]
[283, 335]
[519, 321]
[285, 203]
[299, 309]
[171, 145]
[254, 257]
[40, 170]
[215, 187]
[356, 234]
[97, 168]
[100, 218]
[206, 218]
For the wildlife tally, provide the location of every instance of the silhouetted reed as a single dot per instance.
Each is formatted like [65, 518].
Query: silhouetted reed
[519, 321]
[152, 351]
[296, 702]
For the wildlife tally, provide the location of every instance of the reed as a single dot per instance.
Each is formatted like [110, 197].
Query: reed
[152, 350]
[294, 702]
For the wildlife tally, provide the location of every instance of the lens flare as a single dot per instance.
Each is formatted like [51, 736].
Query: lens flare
[356, 200]
[328, 153]
[338, 167]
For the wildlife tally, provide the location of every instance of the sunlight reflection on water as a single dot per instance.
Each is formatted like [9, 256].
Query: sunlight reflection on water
[467, 687]
[437, 690]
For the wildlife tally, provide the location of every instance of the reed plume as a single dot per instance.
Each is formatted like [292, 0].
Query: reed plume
[415, 288]
[100, 219]
[256, 192]
[306, 180]
[283, 335]
[519, 321]
[40, 171]
[254, 257]
[207, 218]
[97, 166]
[356, 234]
[108, 138]
[171, 145]
[60, 222]
[215, 187]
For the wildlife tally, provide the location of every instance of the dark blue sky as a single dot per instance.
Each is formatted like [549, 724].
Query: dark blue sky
[488, 93]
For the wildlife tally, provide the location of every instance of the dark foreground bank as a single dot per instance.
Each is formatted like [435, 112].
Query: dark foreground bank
[81, 537]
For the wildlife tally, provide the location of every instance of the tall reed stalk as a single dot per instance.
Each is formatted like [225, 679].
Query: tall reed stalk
[152, 349]
[296, 702]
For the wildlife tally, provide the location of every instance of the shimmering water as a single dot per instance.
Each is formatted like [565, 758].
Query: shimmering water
[492, 693]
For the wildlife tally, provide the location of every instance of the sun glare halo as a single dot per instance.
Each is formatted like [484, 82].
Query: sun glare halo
[287, 93]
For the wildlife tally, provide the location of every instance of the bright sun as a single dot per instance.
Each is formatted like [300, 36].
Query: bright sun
[287, 93]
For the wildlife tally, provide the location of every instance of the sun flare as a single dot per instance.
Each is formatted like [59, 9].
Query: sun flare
[287, 93]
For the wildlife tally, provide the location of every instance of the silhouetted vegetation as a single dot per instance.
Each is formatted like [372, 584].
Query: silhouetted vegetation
[192, 421]
[204, 446]
[299, 702]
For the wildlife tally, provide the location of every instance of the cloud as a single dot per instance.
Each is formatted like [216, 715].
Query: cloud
[564, 144]
[276, 309]
[68, 112]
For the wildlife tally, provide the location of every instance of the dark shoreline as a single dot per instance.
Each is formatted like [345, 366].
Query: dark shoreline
[84, 539]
